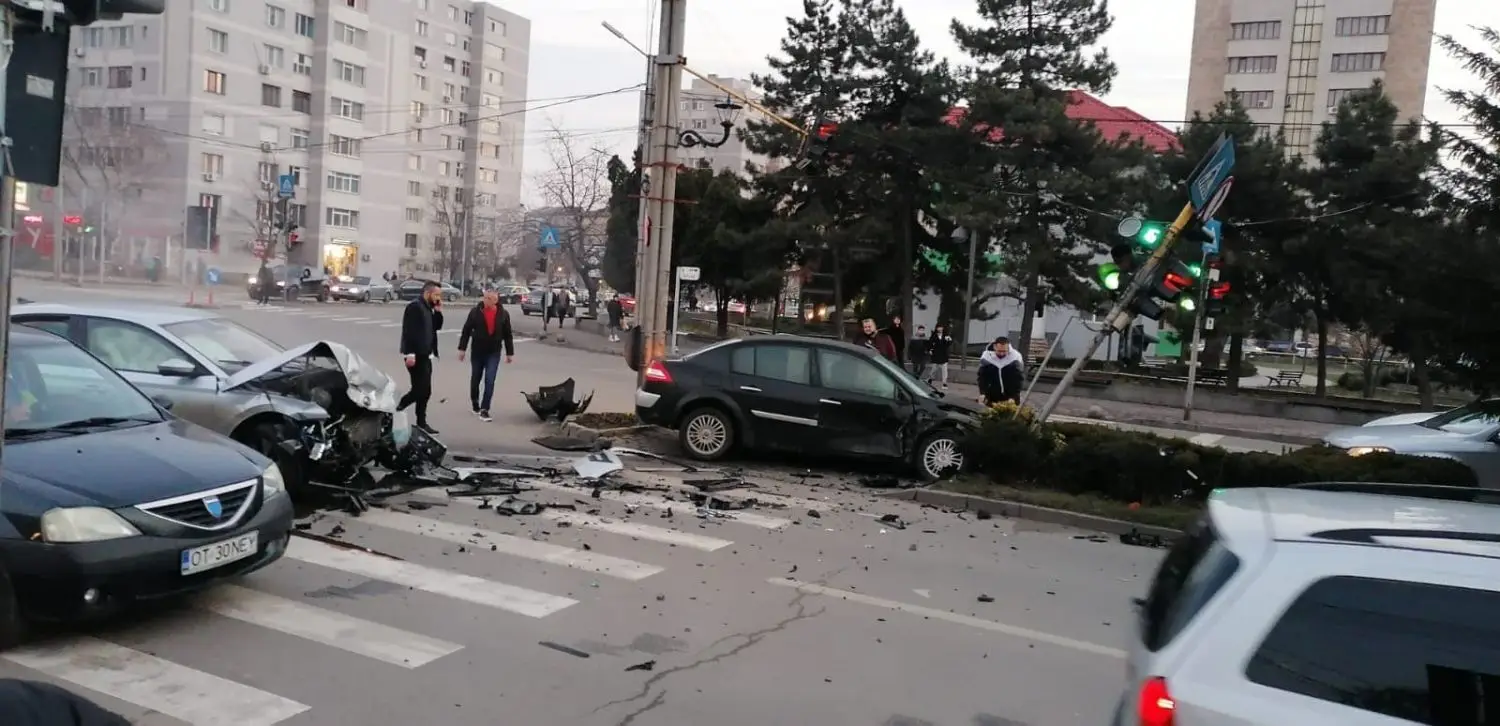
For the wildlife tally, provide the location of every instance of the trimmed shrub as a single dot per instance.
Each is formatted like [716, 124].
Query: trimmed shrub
[1128, 466]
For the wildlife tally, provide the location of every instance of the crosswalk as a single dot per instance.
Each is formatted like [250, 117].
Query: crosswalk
[119, 665]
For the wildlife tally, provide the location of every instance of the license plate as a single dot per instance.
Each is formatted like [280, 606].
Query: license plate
[219, 554]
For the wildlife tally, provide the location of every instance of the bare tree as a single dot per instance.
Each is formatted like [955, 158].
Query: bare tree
[576, 193]
[109, 162]
[449, 215]
[260, 220]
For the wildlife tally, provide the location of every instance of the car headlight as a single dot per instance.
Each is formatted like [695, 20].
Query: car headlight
[1363, 450]
[85, 524]
[400, 429]
[271, 481]
[252, 281]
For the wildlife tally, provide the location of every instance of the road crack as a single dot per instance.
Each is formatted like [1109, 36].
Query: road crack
[750, 639]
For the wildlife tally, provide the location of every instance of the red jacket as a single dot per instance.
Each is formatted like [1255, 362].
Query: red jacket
[880, 343]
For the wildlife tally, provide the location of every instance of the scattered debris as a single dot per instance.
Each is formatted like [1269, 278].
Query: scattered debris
[815, 514]
[1139, 539]
[706, 513]
[1091, 537]
[882, 481]
[718, 485]
[598, 465]
[986, 598]
[558, 442]
[563, 649]
[513, 506]
[649, 665]
[894, 521]
[983, 514]
[557, 402]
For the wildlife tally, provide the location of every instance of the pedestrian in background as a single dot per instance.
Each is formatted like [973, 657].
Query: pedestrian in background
[549, 301]
[560, 303]
[876, 340]
[918, 351]
[420, 324]
[616, 311]
[939, 352]
[264, 284]
[488, 325]
[897, 334]
[1001, 373]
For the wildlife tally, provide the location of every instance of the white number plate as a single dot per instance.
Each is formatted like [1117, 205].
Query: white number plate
[219, 554]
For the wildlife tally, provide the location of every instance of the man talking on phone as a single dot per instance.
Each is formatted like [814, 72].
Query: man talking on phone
[419, 331]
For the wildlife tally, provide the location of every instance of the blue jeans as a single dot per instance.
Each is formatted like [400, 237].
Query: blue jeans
[483, 367]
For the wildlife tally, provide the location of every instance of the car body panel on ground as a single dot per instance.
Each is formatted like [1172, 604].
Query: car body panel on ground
[107, 498]
[803, 395]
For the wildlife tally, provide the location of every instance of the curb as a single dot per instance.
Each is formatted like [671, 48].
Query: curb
[1017, 510]
[1188, 427]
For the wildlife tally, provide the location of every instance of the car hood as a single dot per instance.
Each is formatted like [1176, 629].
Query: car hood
[1399, 437]
[1401, 419]
[369, 387]
[125, 467]
[959, 407]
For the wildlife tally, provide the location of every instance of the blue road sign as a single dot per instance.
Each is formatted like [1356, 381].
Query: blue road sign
[286, 186]
[213, 275]
[1215, 167]
[1215, 229]
[549, 239]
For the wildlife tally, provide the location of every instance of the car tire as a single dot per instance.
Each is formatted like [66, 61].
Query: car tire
[706, 434]
[365, 298]
[12, 623]
[266, 438]
[939, 456]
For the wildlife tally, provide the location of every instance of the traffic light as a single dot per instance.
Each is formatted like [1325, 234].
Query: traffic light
[1151, 235]
[815, 145]
[1113, 274]
[541, 263]
[1216, 303]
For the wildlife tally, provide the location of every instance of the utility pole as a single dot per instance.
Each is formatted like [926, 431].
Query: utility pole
[963, 354]
[59, 230]
[1199, 316]
[8, 201]
[643, 160]
[662, 166]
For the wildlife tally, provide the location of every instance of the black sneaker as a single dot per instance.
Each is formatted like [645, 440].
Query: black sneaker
[476, 411]
[428, 429]
[485, 416]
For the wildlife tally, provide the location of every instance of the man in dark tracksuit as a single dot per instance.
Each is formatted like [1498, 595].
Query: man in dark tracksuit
[488, 325]
[33, 703]
[419, 328]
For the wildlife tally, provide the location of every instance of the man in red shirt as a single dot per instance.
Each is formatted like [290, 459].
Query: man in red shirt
[488, 325]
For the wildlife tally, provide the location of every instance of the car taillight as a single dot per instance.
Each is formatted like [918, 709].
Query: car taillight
[1156, 707]
[658, 372]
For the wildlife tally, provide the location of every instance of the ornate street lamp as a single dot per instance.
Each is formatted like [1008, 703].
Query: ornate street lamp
[728, 111]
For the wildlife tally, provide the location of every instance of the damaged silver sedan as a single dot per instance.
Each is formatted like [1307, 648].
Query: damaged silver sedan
[322, 412]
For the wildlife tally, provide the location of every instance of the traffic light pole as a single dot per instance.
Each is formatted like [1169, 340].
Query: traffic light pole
[1118, 319]
[661, 168]
[7, 210]
[1198, 318]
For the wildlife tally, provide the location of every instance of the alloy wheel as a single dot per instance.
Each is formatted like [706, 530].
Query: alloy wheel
[707, 434]
[941, 457]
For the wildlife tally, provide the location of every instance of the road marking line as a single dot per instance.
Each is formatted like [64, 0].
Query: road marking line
[370, 322]
[390, 325]
[345, 632]
[955, 618]
[632, 499]
[612, 526]
[345, 320]
[522, 547]
[185, 694]
[458, 586]
[1205, 439]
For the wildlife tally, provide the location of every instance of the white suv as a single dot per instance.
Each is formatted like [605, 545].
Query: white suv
[1325, 605]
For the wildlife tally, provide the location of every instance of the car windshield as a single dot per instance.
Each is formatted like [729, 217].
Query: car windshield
[912, 384]
[225, 342]
[1470, 419]
[361, 280]
[54, 386]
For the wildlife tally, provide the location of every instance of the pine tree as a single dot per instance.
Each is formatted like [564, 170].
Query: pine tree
[622, 230]
[1044, 170]
[1469, 186]
[730, 237]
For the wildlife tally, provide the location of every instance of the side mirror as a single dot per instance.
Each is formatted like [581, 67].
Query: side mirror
[178, 368]
[162, 401]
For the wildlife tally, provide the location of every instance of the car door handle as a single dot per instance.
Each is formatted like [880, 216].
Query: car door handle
[752, 389]
[830, 402]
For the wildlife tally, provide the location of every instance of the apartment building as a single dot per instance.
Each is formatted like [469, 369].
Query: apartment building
[698, 111]
[1291, 61]
[402, 129]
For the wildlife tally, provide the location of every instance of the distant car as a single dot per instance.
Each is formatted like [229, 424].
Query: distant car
[311, 283]
[361, 289]
[803, 395]
[1468, 434]
[412, 289]
[535, 298]
[512, 294]
[110, 499]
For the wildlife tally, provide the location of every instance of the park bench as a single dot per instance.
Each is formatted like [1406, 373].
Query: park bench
[1212, 376]
[1287, 378]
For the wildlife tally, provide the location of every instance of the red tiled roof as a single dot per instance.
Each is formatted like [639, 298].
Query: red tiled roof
[1112, 121]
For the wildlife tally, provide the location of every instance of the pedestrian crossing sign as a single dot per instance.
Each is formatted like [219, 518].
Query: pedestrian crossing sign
[549, 238]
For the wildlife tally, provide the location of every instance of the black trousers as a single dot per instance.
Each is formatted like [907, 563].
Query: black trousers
[421, 388]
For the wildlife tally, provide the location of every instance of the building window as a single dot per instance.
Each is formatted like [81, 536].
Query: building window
[420, 55]
[418, 110]
[270, 95]
[265, 171]
[413, 214]
[270, 134]
[275, 16]
[344, 146]
[414, 188]
[411, 241]
[413, 162]
[494, 52]
[335, 217]
[303, 65]
[349, 73]
[1362, 25]
[420, 81]
[498, 27]
[121, 76]
[91, 77]
[340, 182]
[423, 28]
[305, 27]
[1357, 62]
[298, 179]
[350, 35]
[299, 138]
[301, 101]
[346, 109]
[122, 36]
[1263, 30]
[1336, 96]
[1251, 99]
[466, 69]
[450, 64]
[214, 82]
[445, 168]
[213, 124]
[453, 12]
[489, 176]
[450, 38]
[213, 164]
[218, 41]
[219, 5]
[1252, 64]
[275, 56]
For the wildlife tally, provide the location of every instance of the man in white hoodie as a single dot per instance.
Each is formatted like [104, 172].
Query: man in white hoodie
[1001, 373]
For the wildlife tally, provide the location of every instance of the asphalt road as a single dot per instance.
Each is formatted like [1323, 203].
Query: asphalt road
[769, 615]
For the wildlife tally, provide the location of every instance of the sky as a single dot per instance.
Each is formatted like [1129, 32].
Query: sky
[572, 54]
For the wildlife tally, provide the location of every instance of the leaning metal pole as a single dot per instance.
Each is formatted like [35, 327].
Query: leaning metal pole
[1118, 319]
[963, 354]
[1198, 321]
[663, 170]
[7, 208]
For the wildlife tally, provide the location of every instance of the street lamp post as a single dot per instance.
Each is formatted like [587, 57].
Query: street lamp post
[728, 111]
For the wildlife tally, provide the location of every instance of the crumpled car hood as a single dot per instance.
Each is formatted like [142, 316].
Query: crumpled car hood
[369, 387]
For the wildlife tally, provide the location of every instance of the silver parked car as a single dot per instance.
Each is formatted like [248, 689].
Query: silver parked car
[361, 289]
[1467, 434]
[319, 410]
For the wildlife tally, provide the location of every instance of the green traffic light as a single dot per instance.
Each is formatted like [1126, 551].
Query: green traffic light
[88, 229]
[1187, 305]
[1109, 276]
[1151, 235]
[1195, 270]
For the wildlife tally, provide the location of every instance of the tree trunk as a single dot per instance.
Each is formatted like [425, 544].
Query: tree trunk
[838, 293]
[1322, 323]
[721, 315]
[1029, 305]
[1236, 354]
[908, 266]
[1367, 367]
[1422, 374]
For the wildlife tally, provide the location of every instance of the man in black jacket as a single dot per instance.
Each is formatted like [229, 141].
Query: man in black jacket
[488, 325]
[419, 329]
[33, 703]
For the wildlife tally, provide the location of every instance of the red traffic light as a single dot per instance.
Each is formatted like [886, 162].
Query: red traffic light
[825, 130]
[1218, 290]
[73, 219]
[1176, 282]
